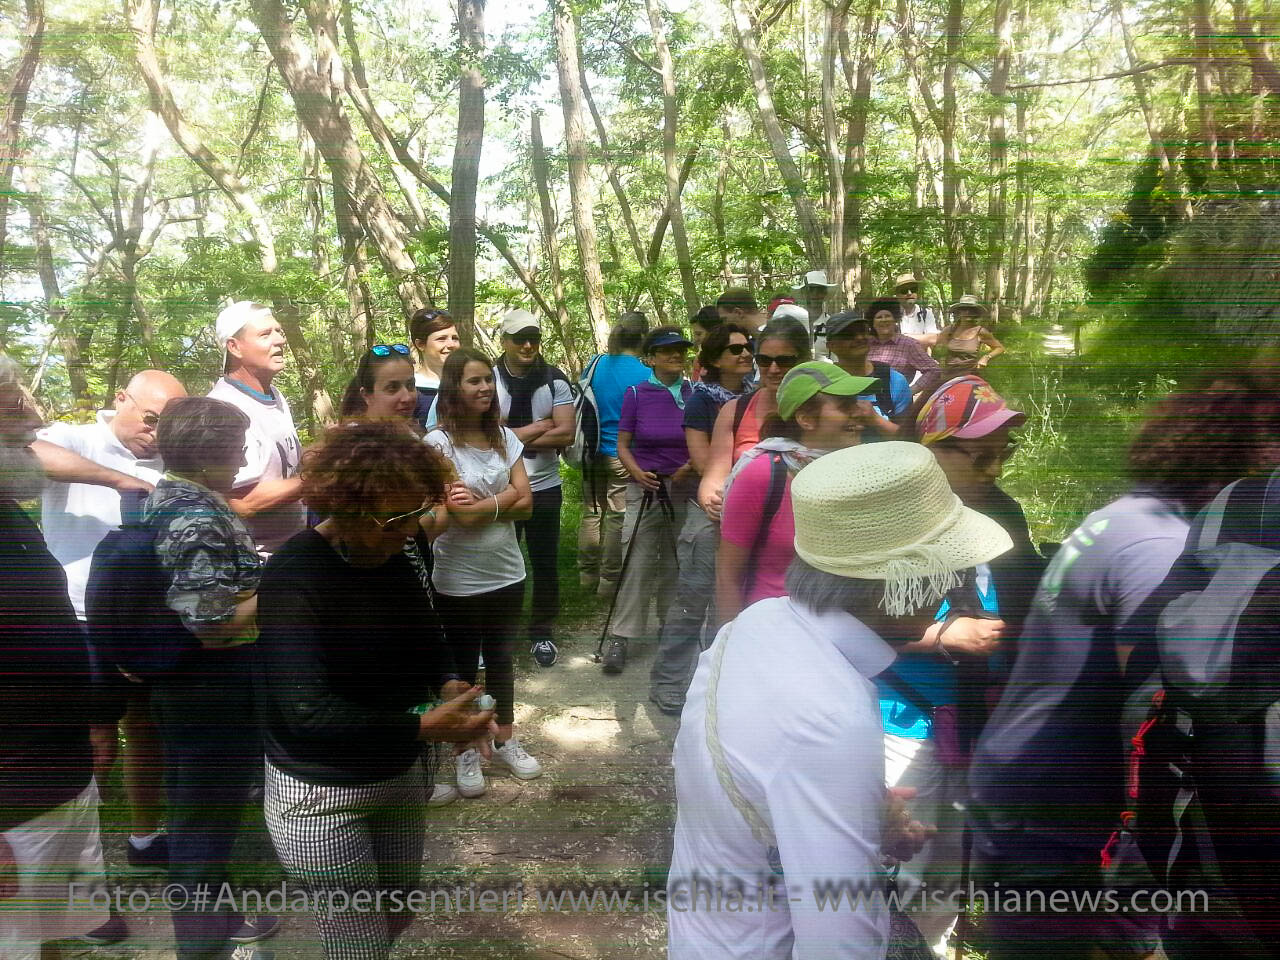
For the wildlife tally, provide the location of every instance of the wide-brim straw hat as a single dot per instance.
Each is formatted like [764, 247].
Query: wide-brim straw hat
[904, 280]
[972, 302]
[884, 511]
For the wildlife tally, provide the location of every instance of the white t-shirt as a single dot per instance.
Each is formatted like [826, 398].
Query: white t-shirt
[76, 516]
[920, 323]
[476, 560]
[272, 452]
[544, 467]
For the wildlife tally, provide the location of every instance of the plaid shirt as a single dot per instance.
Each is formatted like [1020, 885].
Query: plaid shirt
[908, 358]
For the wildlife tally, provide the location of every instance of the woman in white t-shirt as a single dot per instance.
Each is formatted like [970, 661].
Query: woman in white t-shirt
[479, 571]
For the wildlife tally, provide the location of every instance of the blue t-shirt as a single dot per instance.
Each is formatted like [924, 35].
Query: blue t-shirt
[613, 374]
[899, 391]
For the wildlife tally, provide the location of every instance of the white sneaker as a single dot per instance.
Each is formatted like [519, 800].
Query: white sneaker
[470, 778]
[517, 760]
[442, 794]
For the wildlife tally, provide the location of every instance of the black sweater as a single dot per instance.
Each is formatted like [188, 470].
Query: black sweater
[345, 653]
[47, 695]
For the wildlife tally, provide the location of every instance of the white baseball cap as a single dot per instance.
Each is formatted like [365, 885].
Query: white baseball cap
[232, 320]
[814, 278]
[790, 311]
[516, 320]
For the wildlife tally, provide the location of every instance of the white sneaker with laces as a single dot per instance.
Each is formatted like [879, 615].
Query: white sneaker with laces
[442, 794]
[517, 760]
[470, 777]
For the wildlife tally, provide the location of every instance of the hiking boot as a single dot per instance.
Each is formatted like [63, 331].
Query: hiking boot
[588, 581]
[442, 794]
[615, 655]
[545, 652]
[153, 859]
[470, 777]
[259, 928]
[113, 931]
[605, 589]
[517, 760]
[669, 707]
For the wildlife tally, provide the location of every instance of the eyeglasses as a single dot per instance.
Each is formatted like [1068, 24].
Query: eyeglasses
[784, 361]
[737, 349]
[985, 459]
[149, 419]
[525, 339]
[386, 350]
[906, 290]
[391, 521]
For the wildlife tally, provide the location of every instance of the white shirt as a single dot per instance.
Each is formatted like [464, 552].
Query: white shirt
[474, 560]
[544, 468]
[272, 452]
[76, 516]
[920, 322]
[799, 722]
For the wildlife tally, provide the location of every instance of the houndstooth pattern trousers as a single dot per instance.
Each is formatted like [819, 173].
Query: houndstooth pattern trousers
[340, 841]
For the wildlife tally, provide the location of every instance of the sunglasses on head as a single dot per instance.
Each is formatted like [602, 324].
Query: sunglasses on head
[386, 350]
[784, 361]
[391, 521]
[525, 339]
[737, 349]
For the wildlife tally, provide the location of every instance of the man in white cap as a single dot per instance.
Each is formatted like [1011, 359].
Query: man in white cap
[816, 289]
[268, 486]
[537, 405]
[779, 762]
[917, 321]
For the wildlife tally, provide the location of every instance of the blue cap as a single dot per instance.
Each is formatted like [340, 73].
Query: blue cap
[671, 339]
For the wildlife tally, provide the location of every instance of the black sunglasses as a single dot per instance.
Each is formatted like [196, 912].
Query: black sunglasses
[737, 348]
[784, 361]
[908, 289]
[525, 339]
[385, 350]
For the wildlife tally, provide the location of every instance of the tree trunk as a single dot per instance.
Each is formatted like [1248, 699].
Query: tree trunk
[660, 228]
[466, 168]
[956, 265]
[1045, 270]
[810, 228]
[833, 29]
[581, 192]
[670, 119]
[359, 299]
[15, 107]
[547, 221]
[999, 160]
[1202, 29]
[858, 77]
[332, 133]
[717, 204]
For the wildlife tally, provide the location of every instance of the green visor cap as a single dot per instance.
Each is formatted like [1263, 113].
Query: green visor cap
[806, 380]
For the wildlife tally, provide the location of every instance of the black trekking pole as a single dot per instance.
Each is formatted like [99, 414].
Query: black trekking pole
[645, 501]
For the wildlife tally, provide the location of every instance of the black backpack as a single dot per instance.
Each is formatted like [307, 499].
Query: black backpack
[130, 625]
[1204, 763]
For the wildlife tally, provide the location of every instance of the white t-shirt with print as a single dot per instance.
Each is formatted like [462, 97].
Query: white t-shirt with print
[76, 516]
[473, 560]
[272, 452]
[544, 468]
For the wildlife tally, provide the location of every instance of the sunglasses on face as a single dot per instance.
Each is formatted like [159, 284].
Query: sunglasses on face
[783, 361]
[525, 339]
[386, 350]
[149, 419]
[905, 290]
[394, 521]
[985, 459]
[737, 349]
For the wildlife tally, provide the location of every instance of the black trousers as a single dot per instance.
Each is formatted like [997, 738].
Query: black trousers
[541, 534]
[485, 623]
[212, 754]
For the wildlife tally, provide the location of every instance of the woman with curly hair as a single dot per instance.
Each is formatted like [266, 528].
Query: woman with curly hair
[479, 573]
[347, 654]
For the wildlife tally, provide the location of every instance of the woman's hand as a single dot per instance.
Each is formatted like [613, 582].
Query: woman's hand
[973, 636]
[646, 478]
[902, 837]
[457, 720]
[714, 504]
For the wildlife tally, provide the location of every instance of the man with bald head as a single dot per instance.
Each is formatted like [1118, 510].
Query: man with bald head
[90, 466]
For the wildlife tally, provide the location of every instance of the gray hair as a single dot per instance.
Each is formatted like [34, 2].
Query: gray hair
[791, 331]
[824, 592]
[10, 372]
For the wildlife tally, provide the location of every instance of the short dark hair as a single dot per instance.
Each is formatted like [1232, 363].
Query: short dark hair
[738, 298]
[657, 332]
[714, 345]
[628, 333]
[191, 429]
[357, 466]
[708, 318]
[875, 306]
[793, 332]
[427, 321]
[353, 404]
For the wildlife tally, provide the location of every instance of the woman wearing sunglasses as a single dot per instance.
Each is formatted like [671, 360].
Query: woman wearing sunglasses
[479, 573]
[348, 652]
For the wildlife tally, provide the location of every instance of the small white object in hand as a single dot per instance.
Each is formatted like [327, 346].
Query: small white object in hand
[485, 702]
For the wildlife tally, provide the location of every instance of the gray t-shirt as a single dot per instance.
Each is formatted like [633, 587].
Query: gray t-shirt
[1051, 757]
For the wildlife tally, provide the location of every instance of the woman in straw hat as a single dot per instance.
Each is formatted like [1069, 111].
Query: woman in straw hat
[962, 340]
[764, 815]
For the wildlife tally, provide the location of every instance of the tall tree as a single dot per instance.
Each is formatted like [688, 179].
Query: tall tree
[466, 167]
[547, 221]
[1002, 32]
[15, 105]
[833, 28]
[581, 191]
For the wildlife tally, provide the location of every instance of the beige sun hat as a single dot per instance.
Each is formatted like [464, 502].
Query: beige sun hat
[903, 280]
[972, 302]
[884, 511]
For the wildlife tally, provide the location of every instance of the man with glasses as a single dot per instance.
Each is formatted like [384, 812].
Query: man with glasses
[267, 488]
[537, 405]
[918, 321]
[91, 466]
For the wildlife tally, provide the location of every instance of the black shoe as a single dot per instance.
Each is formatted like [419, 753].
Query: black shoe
[259, 928]
[113, 931]
[154, 859]
[667, 707]
[545, 653]
[615, 656]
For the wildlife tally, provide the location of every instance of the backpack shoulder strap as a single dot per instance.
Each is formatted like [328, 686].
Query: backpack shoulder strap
[884, 388]
[740, 412]
[909, 693]
[772, 503]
